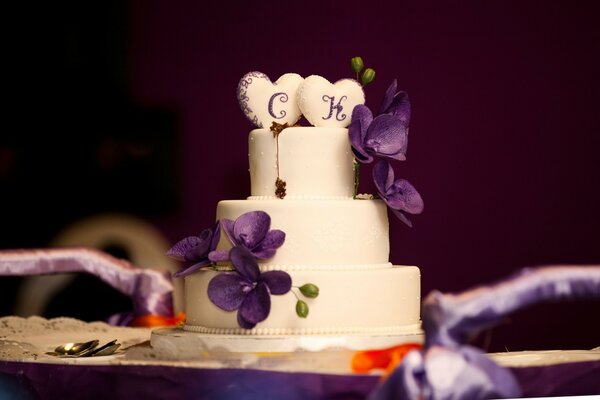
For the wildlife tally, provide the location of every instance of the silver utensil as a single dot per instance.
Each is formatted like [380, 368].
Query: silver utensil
[86, 349]
[75, 348]
[97, 350]
[106, 350]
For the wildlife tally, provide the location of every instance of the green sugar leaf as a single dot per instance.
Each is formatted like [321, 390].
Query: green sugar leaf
[309, 290]
[357, 64]
[302, 309]
[368, 76]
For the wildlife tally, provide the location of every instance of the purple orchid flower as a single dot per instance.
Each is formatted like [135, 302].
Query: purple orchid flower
[396, 103]
[247, 289]
[398, 194]
[196, 249]
[251, 230]
[386, 135]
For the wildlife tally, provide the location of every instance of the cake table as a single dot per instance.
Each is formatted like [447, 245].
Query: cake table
[141, 371]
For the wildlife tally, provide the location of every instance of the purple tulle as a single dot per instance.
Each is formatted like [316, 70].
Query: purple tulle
[447, 368]
[448, 319]
[463, 373]
[151, 291]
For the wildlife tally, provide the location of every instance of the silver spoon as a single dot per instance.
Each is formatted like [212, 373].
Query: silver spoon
[104, 350]
[76, 348]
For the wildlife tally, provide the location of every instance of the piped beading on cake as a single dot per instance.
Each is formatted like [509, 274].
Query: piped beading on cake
[349, 330]
[323, 267]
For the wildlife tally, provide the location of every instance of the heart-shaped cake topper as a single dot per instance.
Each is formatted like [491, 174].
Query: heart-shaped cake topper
[265, 102]
[327, 104]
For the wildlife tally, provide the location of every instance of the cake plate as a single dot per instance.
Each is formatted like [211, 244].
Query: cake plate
[177, 340]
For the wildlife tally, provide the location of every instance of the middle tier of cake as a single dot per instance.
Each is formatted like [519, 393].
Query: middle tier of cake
[320, 233]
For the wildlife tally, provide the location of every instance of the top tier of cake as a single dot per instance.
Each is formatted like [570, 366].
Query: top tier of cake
[315, 163]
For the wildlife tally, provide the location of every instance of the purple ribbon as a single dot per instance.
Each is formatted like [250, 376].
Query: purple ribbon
[451, 319]
[150, 291]
[447, 368]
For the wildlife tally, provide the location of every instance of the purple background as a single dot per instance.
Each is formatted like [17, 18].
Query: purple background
[504, 133]
[504, 139]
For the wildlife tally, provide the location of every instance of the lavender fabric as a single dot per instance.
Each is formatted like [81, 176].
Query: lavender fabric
[448, 373]
[165, 383]
[54, 381]
[151, 291]
[448, 319]
[448, 369]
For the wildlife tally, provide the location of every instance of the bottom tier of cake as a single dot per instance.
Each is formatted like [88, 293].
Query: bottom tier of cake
[378, 300]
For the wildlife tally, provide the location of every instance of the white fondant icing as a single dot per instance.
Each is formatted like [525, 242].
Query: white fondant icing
[348, 302]
[320, 232]
[329, 105]
[314, 162]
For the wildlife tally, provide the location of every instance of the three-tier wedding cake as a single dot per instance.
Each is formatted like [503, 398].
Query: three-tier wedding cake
[304, 254]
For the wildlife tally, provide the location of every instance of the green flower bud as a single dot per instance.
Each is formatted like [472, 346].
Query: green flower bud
[301, 309]
[309, 290]
[368, 76]
[357, 64]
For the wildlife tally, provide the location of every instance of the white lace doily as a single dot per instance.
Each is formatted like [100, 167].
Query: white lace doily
[28, 339]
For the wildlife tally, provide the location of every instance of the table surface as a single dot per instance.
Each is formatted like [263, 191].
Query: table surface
[140, 369]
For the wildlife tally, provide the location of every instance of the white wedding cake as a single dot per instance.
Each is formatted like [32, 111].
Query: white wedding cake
[311, 257]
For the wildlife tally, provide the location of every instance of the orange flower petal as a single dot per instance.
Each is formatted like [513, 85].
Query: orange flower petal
[151, 320]
[386, 359]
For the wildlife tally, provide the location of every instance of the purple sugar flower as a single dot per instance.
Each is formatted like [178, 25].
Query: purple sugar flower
[196, 249]
[251, 230]
[386, 135]
[399, 194]
[396, 103]
[247, 289]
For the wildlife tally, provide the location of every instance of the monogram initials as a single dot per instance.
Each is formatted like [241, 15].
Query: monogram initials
[283, 98]
[337, 107]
